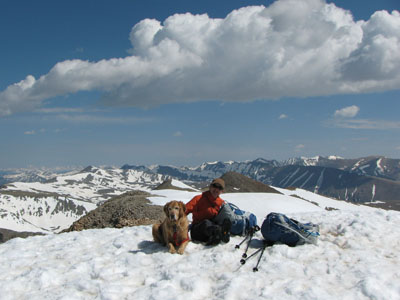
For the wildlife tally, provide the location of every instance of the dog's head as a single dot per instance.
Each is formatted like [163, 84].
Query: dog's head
[174, 210]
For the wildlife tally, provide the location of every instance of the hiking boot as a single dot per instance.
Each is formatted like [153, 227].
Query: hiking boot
[226, 230]
[215, 237]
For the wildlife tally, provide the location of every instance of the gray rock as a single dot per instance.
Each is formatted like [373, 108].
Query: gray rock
[128, 209]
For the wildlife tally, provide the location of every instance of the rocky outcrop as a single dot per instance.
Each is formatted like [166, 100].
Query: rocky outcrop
[238, 183]
[129, 209]
[6, 234]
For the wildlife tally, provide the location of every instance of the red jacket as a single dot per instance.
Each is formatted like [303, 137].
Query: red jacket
[203, 206]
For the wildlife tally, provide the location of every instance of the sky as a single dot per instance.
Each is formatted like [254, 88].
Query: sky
[184, 82]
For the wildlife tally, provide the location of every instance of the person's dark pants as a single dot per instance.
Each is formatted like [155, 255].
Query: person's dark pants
[203, 231]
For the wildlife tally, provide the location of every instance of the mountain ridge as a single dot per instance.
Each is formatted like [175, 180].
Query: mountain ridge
[62, 199]
[368, 179]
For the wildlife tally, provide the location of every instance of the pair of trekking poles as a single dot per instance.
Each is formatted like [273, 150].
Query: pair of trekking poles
[248, 238]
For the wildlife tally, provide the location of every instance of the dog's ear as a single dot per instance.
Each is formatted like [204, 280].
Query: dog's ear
[182, 211]
[166, 208]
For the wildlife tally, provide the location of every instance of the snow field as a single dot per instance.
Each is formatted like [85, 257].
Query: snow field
[356, 257]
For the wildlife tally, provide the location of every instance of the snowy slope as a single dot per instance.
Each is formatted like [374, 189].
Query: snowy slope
[92, 184]
[356, 257]
[54, 205]
[40, 213]
[297, 201]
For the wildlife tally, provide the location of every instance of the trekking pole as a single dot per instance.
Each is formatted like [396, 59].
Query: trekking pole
[255, 269]
[238, 245]
[243, 260]
[245, 238]
[244, 255]
[251, 233]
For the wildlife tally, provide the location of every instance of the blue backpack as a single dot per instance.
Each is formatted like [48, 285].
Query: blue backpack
[279, 228]
[242, 221]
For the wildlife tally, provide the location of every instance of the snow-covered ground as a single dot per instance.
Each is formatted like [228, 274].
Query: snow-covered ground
[357, 257]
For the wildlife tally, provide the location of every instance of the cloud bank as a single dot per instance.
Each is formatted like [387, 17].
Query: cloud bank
[347, 112]
[288, 49]
[367, 124]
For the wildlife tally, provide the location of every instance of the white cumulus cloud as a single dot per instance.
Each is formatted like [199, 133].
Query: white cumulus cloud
[347, 112]
[289, 49]
[282, 116]
[30, 132]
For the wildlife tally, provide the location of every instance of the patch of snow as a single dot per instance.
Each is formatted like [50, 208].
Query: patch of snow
[305, 182]
[373, 192]
[380, 169]
[181, 185]
[319, 181]
[285, 181]
[334, 157]
[362, 168]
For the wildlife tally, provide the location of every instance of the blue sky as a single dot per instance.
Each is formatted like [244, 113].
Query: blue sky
[183, 82]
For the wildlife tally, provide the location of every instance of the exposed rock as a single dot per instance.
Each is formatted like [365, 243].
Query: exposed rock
[129, 209]
[238, 183]
[6, 234]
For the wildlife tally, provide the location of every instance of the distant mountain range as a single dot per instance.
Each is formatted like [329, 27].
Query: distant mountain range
[54, 204]
[46, 201]
[33, 174]
[368, 179]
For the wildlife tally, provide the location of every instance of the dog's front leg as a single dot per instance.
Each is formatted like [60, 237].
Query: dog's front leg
[171, 248]
[168, 241]
[182, 247]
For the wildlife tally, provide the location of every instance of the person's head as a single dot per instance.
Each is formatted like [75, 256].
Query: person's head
[216, 187]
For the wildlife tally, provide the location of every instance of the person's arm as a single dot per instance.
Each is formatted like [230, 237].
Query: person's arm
[191, 204]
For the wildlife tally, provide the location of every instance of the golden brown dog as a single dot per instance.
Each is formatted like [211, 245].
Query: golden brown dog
[173, 231]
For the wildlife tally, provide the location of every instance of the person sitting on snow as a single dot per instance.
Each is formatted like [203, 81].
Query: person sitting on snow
[204, 208]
